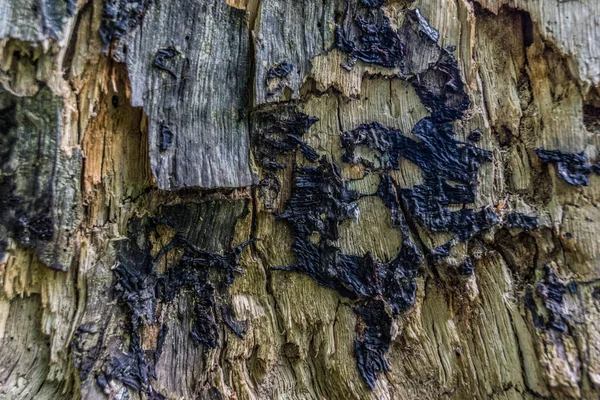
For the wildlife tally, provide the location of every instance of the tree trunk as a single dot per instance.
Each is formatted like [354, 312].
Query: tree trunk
[338, 199]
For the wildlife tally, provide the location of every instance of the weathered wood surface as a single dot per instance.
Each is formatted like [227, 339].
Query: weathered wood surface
[36, 20]
[178, 61]
[303, 30]
[125, 318]
[40, 184]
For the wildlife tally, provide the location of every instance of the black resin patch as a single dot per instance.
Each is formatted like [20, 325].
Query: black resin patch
[166, 137]
[86, 347]
[374, 335]
[276, 75]
[140, 288]
[320, 202]
[573, 168]
[466, 268]
[365, 34]
[279, 71]
[475, 135]
[519, 220]
[449, 168]
[438, 83]
[280, 133]
[538, 320]
[550, 291]
[372, 3]
[163, 56]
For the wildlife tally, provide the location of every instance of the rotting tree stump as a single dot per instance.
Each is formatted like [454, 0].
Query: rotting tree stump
[299, 199]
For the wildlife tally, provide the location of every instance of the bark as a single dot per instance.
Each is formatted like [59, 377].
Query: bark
[302, 199]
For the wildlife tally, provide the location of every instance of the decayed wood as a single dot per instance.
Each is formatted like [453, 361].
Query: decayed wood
[523, 325]
[177, 61]
[36, 20]
[40, 184]
[289, 33]
[571, 26]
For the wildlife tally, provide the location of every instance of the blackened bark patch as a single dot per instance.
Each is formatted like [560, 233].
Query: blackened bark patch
[399, 286]
[523, 221]
[373, 340]
[466, 267]
[386, 143]
[277, 134]
[551, 291]
[38, 227]
[237, 327]
[275, 79]
[538, 320]
[120, 17]
[389, 196]
[573, 168]
[204, 328]
[365, 34]
[441, 89]
[202, 273]
[280, 70]
[372, 3]
[449, 168]
[423, 25]
[439, 155]
[432, 70]
[319, 203]
[166, 137]
[86, 347]
[163, 56]
[135, 274]
[129, 368]
[475, 135]
[272, 165]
